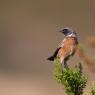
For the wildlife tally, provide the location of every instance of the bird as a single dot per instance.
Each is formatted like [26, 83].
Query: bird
[67, 47]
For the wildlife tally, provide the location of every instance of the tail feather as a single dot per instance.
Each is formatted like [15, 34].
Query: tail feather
[51, 58]
[54, 55]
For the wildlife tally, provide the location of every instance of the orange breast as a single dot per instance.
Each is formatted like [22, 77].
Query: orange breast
[69, 47]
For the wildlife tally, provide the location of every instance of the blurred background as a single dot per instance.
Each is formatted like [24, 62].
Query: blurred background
[29, 34]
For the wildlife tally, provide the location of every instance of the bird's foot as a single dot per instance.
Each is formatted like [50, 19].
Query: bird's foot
[66, 66]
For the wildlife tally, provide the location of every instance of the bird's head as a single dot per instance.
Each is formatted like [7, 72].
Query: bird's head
[68, 31]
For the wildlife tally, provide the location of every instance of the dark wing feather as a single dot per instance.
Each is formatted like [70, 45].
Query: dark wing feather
[54, 55]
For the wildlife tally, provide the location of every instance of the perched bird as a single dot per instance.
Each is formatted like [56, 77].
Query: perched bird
[67, 47]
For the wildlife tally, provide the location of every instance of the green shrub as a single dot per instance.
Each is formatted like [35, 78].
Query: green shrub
[93, 89]
[73, 80]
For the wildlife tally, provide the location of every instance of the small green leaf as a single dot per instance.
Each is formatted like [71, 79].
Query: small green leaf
[73, 80]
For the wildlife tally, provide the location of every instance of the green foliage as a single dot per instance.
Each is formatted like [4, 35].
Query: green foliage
[93, 89]
[73, 79]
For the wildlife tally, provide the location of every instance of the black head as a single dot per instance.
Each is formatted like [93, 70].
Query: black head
[66, 31]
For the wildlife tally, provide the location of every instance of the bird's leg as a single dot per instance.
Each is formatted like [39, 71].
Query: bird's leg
[65, 64]
[64, 61]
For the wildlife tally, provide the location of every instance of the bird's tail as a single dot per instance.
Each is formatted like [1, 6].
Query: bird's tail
[54, 55]
[51, 58]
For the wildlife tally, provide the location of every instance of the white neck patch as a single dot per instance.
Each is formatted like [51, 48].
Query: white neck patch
[72, 35]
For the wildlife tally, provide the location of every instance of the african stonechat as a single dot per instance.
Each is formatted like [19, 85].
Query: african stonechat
[67, 47]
